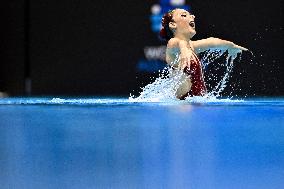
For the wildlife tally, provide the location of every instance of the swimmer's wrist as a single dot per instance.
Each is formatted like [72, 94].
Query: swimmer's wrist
[231, 45]
[239, 47]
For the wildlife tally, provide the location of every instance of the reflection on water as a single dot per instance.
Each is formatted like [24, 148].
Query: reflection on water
[144, 146]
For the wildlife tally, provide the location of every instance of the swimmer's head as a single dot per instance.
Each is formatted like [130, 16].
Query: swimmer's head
[177, 22]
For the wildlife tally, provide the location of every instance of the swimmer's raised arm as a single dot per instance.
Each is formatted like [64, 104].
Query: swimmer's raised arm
[172, 43]
[185, 53]
[215, 43]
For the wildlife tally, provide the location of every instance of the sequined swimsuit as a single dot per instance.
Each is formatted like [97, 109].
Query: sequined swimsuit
[195, 73]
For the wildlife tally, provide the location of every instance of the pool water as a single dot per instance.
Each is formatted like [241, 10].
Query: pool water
[114, 143]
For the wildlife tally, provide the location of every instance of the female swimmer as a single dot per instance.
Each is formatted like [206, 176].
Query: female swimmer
[178, 28]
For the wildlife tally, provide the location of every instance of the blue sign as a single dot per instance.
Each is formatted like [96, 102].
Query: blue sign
[158, 10]
[154, 59]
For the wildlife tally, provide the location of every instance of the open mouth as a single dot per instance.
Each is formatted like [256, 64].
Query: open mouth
[192, 24]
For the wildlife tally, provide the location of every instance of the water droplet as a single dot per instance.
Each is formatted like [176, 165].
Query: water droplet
[165, 86]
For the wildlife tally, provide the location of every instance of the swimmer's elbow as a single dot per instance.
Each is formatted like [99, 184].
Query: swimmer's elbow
[212, 39]
[216, 42]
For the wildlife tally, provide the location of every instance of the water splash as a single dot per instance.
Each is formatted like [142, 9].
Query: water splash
[223, 82]
[169, 80]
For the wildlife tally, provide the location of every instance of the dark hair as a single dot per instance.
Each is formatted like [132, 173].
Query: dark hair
[166, 33]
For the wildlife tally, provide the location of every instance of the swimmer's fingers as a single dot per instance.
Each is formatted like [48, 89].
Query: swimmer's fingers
[184, 62]
[241, 48]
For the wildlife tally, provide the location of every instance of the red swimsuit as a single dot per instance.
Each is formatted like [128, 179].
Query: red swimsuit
[198, 87]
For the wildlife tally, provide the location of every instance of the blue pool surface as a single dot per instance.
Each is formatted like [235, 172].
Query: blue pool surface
[111, 143]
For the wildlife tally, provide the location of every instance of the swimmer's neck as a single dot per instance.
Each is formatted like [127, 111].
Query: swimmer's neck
[183, 37]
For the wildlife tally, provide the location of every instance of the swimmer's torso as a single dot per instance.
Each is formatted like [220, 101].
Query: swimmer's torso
[194, 86]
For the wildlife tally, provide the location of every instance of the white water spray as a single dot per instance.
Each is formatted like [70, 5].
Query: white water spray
[165, 86]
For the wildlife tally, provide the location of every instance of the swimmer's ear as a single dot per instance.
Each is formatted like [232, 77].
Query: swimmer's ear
[172, 25]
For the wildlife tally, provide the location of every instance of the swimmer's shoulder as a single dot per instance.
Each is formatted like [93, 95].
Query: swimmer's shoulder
[174, 43]
[172, 49]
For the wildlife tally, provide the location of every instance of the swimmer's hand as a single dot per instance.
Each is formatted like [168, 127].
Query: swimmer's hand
[184, 62]
[185, 55]
[240, 47]
[235, 50]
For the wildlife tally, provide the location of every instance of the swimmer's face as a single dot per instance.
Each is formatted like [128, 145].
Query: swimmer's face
[183, 22]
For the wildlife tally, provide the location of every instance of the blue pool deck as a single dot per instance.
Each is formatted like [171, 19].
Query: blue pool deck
[111, 143]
